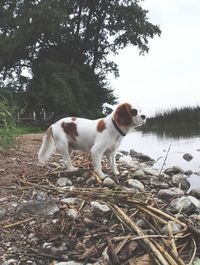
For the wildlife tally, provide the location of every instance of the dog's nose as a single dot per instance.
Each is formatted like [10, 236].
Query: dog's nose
[143, 117]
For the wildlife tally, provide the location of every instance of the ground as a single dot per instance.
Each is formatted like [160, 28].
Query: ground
[75, 231]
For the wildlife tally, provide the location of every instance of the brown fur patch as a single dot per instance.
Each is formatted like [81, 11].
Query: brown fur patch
[70, 129]
[123, 115]
[101, 125]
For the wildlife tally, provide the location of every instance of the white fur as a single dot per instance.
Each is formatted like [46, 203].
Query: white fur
[88, 140]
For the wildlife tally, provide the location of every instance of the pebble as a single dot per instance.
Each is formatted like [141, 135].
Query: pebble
[188, 157]
[180, 181]
[2, 212]
[108, 182]
[99, 208]
[195, 192]
[64, 182]
[167, 194]
[134, 183]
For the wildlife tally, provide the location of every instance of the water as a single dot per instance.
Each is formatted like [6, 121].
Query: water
[156, 145]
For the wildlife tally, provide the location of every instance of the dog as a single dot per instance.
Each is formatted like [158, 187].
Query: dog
[98, 137]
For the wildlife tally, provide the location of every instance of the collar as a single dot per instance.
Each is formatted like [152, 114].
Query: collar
[117, 128]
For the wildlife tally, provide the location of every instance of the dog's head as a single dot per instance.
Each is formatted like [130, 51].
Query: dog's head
[126, 115]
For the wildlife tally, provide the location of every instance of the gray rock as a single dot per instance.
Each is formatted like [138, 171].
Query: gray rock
[195, 192]
[99, 208]
[187, 157]
[140, 156]
[176, 228]
[173, 170]
[138, 174]
[183, 204]
[131, 190]
[197, 173]
[150, 171]
[10, 262]
[133, 183]
[2, 212]
[188, 172]
[108, 182]
[64, 182]
[71, 200]
[180, 181]
[154, 182]
[167, 194]
[72, 213]
[3, 199]
[38, 207]
[80, 180]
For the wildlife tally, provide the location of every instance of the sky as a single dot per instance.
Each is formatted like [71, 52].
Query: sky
[168, 76]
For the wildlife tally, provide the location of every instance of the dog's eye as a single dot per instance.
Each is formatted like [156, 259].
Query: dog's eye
[134, 112]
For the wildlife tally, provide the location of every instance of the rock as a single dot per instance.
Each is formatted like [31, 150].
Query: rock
[176, 228]
[99, 208]
[188, 172]
[167, 194]
[129, 162]
[182, 204]
[158, 184]
[3, 199]
[195, 201]
[140, 156]
[71, 200]
[80, 180]
[138, 174]
[2, 212]
[108, 182]
[10, 262]
[64, 182]
[180, 181]
[187, 157]
[173, 170]
[150, 171]
[197, 173]
[38, 207]
[72, 213]
[131, 190]
[195, 192]
[133, 183]
[71, 263]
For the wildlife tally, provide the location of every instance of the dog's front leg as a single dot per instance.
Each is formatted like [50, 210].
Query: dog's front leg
[96, 154]
[112, 163]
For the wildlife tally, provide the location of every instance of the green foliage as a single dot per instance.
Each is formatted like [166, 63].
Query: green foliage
[7, 125]
[64, 44]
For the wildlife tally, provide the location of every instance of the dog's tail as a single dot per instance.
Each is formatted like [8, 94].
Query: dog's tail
[47, 146]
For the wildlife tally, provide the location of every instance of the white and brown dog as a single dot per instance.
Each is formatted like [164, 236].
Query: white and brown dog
[98, 137]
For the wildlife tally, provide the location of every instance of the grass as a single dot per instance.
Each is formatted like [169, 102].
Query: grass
[10, 132]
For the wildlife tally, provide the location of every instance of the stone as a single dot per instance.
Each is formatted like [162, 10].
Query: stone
[188, 157]
[197, 173]
[176, 228]
[150, 171]
[72, 213]
[188, 172]
[167, 194]
[182, 204]
[138, 174]
[154, 182]
[71, 200]
[133, 183]
[140, 156]
[180, 181]
[173, 170]
[2, 212]
[99, 208]
[195, 192]
[64, 182]
[108, 182]
[38, 207]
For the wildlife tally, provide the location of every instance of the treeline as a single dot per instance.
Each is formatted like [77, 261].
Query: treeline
[54, 53]
[176, 117]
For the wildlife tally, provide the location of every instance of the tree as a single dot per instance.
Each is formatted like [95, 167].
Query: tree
[64, 44]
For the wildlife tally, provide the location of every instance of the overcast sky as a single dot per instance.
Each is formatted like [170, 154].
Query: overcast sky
[169, 75]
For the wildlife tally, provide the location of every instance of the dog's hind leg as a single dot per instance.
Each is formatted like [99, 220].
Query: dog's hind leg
[65, 150]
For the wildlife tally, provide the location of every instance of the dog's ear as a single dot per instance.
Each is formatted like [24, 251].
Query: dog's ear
[123, 115]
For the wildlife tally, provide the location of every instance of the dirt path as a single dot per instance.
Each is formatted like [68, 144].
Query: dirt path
[19, 161]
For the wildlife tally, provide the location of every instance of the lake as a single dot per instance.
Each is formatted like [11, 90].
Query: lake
[156, 145]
